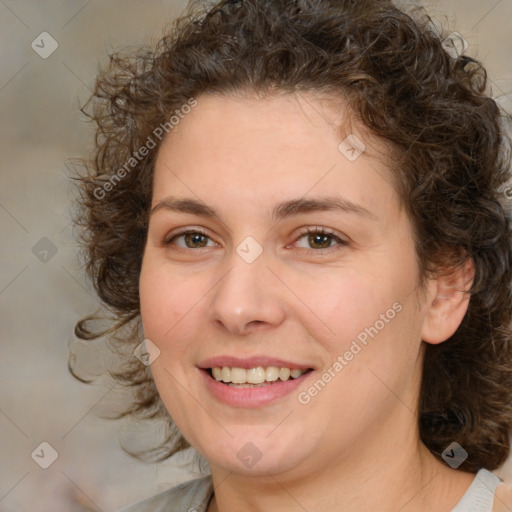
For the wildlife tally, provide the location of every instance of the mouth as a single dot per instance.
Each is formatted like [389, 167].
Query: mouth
[258, 376]
[254, 381]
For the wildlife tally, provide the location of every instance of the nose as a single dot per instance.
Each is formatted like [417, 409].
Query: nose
[247, 298]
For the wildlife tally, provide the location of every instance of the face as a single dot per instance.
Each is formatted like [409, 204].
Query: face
[275, 252]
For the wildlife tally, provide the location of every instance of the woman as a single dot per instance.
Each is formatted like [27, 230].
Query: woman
[300, 205]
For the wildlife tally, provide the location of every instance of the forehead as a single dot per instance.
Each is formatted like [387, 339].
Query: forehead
[300, 118]
[285, 144]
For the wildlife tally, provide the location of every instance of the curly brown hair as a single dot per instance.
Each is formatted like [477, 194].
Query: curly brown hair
[433, 109]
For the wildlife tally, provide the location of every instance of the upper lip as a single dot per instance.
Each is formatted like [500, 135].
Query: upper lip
[250, 362]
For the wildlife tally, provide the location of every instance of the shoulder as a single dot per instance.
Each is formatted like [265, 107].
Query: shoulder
[503, 499]
[192, 495]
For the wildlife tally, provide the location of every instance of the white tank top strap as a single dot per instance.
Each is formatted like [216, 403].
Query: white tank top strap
[480, 495]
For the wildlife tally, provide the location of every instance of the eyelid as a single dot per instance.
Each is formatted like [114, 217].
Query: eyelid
[317, 229]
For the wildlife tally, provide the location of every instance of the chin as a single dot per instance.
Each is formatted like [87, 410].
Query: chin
[261, 468]
[256, 455]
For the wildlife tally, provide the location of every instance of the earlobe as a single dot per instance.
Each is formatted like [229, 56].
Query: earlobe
[448, 300]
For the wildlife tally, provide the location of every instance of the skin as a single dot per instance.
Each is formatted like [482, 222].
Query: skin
[355, 446]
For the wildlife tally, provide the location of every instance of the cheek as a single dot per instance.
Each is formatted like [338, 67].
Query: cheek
[372, 315]
[349, 302]
[165, 300]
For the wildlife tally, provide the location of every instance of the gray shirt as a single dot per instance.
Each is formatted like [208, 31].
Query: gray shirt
[195, 495]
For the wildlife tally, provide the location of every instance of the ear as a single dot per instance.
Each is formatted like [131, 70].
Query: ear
[447, 302]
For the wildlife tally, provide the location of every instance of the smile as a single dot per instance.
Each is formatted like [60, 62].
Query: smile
[258, 376]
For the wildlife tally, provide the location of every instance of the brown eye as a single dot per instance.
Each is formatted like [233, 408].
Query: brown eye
[320, 239]
[189, 240]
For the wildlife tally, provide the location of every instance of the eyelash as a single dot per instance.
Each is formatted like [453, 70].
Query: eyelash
[309, 231]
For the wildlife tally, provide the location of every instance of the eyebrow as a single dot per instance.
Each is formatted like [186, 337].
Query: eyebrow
[280, 211]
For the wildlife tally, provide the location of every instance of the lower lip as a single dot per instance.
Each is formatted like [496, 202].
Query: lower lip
[254, 396]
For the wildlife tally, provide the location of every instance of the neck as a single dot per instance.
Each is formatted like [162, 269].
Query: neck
[377, 474]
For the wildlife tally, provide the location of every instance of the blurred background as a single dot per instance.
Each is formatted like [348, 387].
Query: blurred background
[50, 53]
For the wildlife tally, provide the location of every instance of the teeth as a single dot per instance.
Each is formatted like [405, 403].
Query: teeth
[284, 373]
[295, 373]
[272, 373]
[238, 376]
[257, 375]
[226, 374]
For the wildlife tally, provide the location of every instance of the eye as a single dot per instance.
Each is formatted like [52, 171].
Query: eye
[192, 239]
[316, 239]
[320, 239]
